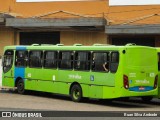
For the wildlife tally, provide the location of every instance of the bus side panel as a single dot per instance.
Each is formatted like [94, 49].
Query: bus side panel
[9, 82]
[62, 88]
[69, 76]
[30, 84]
[41, 79]
[99, 81]
[109, 92]
[31, 80]
[85, 89]
[46, 86]
[95, 91]
[102, 78]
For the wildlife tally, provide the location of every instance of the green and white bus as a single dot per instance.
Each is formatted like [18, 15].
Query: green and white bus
[98, 71]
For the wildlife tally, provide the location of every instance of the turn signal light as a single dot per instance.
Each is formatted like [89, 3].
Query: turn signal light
[125, 81]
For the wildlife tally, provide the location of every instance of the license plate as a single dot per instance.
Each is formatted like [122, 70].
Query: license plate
[141, 88]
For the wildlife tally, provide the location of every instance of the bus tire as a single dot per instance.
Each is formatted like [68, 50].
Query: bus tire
[76, 93]
[20, 87]
[146, 98]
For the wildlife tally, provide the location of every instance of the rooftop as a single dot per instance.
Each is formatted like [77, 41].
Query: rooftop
[115, 15]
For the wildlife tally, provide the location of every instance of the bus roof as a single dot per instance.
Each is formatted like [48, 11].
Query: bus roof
[158, 49]
[74, 47]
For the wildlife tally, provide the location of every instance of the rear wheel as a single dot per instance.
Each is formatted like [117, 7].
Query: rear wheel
[20, 87]
[76, 93]
[146, 98]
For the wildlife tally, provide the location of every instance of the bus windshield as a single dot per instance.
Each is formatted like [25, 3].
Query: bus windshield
[7, 60]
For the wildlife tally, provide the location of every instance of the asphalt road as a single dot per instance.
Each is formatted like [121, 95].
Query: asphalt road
[37, 101]
[46, 101]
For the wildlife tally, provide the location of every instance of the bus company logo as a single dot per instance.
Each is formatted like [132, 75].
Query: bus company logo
[132, 74]
[6, 114]
[130, 81]
[92, 77]
[76, 76]
[142, 82]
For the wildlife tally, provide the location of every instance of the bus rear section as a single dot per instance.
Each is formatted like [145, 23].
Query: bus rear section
[140, 72]
[158, 50]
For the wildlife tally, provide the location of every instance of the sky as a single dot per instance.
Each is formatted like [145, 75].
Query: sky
[134, 2]
[111, 2]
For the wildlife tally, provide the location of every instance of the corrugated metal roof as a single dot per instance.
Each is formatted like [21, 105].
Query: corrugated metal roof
[115, 15]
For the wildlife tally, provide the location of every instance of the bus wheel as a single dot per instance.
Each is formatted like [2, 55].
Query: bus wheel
[146, 98]
[76, 93]
[20, 87]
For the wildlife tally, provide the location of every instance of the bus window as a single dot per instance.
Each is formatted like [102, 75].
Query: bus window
[100, 61]
[21, 58]
[35, 58]
[7, 60]
[158, 61]
[66, 60]
[82, 61]
[114, 61]
[50, 59]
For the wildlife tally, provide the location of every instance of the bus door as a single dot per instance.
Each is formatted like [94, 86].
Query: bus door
[8, 71]
[21, 59]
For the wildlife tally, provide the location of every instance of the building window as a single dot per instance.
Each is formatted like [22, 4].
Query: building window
[50, 59]
[66, 60]
[114, 61]
[82, 61]
[35, 59]
[21, 58]
[100, 61]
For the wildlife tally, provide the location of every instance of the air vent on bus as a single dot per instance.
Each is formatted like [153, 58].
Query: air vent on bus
[102, 44]
[77, 45]
[35, 45]
[130, 44]
[46, 44]
[59, 44]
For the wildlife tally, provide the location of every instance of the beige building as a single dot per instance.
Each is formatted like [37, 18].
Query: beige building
[85, 22]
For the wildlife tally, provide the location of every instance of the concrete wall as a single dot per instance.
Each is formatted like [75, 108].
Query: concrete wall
[11, 37]
[6, 38]
[85, 38]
